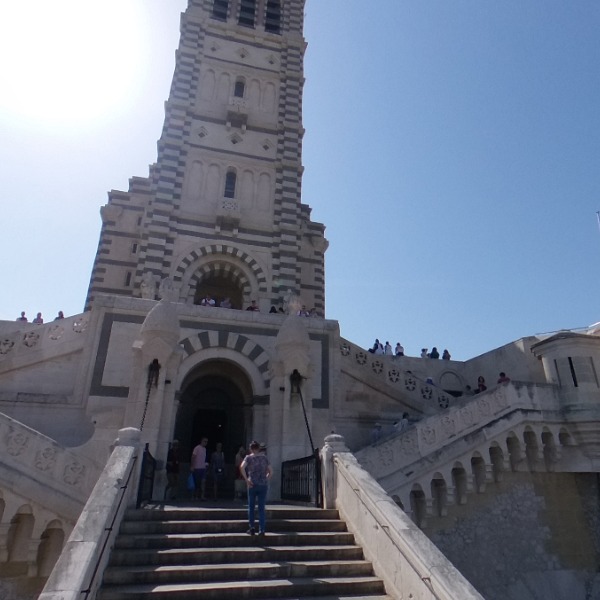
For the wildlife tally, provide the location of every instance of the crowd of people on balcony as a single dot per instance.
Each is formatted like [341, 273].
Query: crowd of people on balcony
[38, 319]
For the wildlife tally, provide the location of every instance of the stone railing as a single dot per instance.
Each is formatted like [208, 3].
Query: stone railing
[57, 478]
[22, 340]
[387, 369]
[435, 432]
[78, 572]
[402, 555]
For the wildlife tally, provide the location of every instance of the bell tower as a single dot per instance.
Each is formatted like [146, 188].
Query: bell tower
[221, 210]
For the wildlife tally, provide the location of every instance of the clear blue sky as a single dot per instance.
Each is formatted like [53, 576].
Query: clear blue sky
[452, 149]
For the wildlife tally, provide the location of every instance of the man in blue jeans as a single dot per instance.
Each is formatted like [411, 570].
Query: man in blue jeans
[256, 470]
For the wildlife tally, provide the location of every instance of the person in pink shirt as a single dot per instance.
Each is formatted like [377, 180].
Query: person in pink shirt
[198, 466]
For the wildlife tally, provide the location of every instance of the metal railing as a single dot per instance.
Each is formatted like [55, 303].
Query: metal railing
[301, 480]
[146, 485]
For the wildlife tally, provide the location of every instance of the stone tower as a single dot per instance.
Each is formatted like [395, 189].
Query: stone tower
[220, 212]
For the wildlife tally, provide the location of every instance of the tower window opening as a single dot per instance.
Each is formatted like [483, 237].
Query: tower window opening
[220, 8]
[230, 180]
[239, 88]
[273, 16]
[247, 13]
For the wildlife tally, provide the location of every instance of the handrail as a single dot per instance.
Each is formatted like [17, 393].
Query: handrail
[80, 566]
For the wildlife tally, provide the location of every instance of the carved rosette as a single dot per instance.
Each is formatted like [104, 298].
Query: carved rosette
[484, 407]
[448, 425]
[361, 358]
[16, 442]
[345, 349]
[428, 435]
[443, 401]
[394, 375]
[74, 473]
[426, 392]
[410, 383]
[499, 396]
[56, 332]
[409, 443]
[467, 416]
[6, 346]
[377, 367]
[80, 325]
[45, 459]
[30, 339]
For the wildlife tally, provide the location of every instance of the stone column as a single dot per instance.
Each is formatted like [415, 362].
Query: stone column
[333, 444]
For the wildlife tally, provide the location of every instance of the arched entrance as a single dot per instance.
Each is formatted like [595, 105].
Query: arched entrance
[215, 402]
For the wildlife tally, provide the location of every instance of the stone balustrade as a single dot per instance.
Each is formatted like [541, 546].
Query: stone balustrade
[408, 562]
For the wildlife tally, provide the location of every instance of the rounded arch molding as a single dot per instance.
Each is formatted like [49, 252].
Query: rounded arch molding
[219, 259]
[222, 343]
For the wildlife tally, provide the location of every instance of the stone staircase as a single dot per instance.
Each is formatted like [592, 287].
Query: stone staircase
[175, 553]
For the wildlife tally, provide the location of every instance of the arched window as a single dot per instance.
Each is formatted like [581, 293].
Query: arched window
[230, 180]
[273, 16]
[239, 88]
[220, 8]
[247, 13]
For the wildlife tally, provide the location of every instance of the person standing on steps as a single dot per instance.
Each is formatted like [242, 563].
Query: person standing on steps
[198, 468]
[256, 471]
[217, 468]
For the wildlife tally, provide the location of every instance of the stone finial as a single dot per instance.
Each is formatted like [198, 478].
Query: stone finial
[162, 321]
[167, 290]
[291, 303]
[128, 436]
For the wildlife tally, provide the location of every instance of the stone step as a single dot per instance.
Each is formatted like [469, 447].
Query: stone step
[228, 526]
[234, 571]
[198, 556]
[216, 540]
[235, 590]
[160, 513]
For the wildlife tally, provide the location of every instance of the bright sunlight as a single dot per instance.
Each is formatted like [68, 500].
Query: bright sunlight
[67, 61]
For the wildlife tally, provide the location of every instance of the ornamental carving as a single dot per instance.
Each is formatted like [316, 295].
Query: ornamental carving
[377, 366]
[484, 406]
[410, 383]
[443, 401]
[345, 350]
[394, 375]
[31, 338]
[56, 332]
[500, 397]
[409, 443]
[6, 346]
[428, 434]
[80, 325]
[448, 425]
[16, 442]
[426, 392]
[467, 416]
[361, 358]
[45, 459]
[74, 473]
[386, 455]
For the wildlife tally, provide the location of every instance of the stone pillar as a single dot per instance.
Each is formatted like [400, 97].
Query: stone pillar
[334, 443]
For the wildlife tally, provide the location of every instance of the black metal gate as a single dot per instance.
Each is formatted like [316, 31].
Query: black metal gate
[301, 480]
[146, 486]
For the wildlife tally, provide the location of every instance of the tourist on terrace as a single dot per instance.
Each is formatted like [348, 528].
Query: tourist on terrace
[481, 387]
[388, 349]
[503, 378]
[61, 315]
[22, 317]
[225, 303]
[207, 301]
[38, 319]
[424, 353]
[399, 349]
[253, 306]
[446, 355]
[434, 353]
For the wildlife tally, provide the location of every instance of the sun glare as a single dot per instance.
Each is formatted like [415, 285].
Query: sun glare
[67, 61]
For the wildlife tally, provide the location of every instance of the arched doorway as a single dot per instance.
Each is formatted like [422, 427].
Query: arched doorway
[215, 402]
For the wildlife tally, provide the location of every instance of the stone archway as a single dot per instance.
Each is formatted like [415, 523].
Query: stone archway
[215, 402]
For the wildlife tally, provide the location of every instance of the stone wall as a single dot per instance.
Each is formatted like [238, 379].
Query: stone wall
[532, 536]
